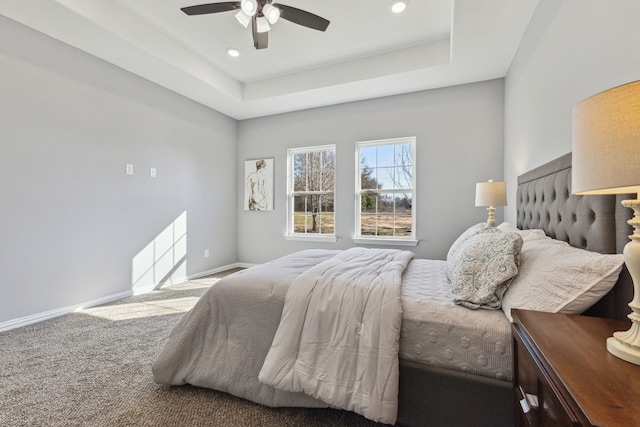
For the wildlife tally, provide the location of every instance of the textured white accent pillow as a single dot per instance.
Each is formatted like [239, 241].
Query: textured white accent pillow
[483, 266]
[474, 229]
[556, 277]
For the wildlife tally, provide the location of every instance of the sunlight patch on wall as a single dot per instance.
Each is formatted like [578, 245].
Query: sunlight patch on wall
[163, 260]
[142, 309]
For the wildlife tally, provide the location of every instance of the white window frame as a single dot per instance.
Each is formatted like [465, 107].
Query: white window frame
[385, 240]
[291, 194]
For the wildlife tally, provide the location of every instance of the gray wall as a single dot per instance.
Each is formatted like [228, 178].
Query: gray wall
[572, 50]
[74, 227]
[459, 134]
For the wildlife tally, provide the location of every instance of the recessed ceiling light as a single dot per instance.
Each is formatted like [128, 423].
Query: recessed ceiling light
[233, 52]
[399, 6]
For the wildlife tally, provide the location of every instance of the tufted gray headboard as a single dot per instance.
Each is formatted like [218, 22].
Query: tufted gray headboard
[594, 223]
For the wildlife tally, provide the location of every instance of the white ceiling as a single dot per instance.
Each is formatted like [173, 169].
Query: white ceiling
[366, 52]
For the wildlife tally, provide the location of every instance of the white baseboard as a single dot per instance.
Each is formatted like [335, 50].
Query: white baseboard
[51, 314]
[46, 315]
[219, 269]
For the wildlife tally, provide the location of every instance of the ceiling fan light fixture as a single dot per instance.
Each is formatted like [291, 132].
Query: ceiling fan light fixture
[249, 7]
[262, 25]
[260, 14]
[243, 18]
[272, 13]
[398, 6]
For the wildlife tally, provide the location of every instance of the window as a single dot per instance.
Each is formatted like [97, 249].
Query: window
[385, 191]
[311, 186]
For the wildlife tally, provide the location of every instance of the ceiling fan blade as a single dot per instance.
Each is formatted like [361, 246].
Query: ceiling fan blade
[302, 17]
[203, 9]
[260, 40]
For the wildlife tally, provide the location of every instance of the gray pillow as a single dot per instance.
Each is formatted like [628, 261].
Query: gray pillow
[483, 266]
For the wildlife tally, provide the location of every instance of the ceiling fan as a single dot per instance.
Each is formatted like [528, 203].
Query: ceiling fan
[261, 13]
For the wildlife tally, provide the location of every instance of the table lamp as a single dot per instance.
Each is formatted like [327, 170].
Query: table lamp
[606, 160]
[491, 194]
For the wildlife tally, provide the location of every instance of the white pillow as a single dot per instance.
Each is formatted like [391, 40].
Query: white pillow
[507, 226]
[526, 235]
[482, 268]
[556, 277]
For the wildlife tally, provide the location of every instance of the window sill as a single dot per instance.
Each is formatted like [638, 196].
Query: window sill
[311, 238]
[381, 241]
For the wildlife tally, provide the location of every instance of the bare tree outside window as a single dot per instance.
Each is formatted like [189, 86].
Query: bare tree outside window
[312, 184]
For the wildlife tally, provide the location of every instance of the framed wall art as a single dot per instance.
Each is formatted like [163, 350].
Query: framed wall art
[258, 185]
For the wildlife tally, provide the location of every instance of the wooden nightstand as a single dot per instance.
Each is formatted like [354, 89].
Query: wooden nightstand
[564, 375]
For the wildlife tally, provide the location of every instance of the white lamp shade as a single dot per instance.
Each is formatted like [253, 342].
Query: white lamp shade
[491, 194]
[249, 7]
[606, 142]
[271, 12]
[262, 25]
[243, 18]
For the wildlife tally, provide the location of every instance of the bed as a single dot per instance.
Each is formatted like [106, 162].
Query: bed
[454, 362]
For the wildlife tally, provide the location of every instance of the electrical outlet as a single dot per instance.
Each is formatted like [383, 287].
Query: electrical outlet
[128, 169]
[206, 253]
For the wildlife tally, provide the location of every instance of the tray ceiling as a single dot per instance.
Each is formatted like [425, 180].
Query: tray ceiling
[366, 52]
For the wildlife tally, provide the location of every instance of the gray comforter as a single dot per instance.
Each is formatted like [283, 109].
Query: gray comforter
[236, 320]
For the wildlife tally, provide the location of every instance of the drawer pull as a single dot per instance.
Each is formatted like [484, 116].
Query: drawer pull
[528, 401]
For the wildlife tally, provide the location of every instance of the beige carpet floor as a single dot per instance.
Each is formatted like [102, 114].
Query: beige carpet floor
[93, 368]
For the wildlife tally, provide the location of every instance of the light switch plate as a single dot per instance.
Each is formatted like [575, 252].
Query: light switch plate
[152, 172]
[128, 169]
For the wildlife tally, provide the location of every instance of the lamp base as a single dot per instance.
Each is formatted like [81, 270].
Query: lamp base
[492, 216]
[623, 351]
[626, 345]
